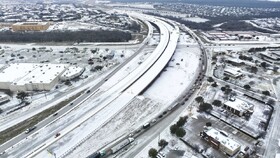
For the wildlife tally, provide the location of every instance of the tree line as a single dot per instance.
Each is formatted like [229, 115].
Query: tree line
[67, 36]
[231, 23]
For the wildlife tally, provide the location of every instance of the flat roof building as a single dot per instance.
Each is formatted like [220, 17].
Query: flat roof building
[239, 107]
[30, 76]
[30, 26]
[72, 72]
[220, 140]
[232, 72]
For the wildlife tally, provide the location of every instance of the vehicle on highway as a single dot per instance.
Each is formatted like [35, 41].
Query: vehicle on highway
[57, 135]
[71, 104]
[106, 79]
[95, 155]
[137, 131]
[28, 130]
[121, 145]
[55, 114]
[146, 125]
[88, 91]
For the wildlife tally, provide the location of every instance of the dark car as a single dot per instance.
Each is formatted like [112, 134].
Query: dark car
[57, 135]
[88, 91]
[28, 130]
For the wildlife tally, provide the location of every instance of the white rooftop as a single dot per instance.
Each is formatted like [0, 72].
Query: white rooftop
[233, 70]
[239, 105]
[31, 23]
[226, 141]
[22, 73]
[43, 73]
[16, 71]
[72, 71]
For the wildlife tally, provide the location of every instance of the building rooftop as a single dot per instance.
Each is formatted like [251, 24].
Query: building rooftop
[31, 23]
[22, 73]
[72, 71]
[16, 71]
[233, 71]
[223, 139]
[239, 105]
[43, 73]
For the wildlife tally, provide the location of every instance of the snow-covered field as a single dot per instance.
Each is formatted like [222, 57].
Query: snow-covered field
[39, 101]
[105, 113]
[73, 26]
[177, 76]
[146, 107]
[196, 19]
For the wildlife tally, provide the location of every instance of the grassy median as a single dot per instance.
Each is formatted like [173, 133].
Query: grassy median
[22, 126]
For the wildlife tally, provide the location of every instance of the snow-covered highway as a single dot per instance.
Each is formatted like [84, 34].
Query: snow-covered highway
[105, 105]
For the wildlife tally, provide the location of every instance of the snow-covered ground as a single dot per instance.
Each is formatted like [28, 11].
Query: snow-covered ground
[39, 101]
[196, 19]
[73, 26]
[77, 112]
[146, 107]
[177, 75]
[103, 113]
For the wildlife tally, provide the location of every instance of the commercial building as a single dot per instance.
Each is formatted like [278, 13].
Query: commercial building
[30, 26]
[239, 107]
[72, 72]
[269, 55]
[30, 76]
[232, 72]
[220, 140]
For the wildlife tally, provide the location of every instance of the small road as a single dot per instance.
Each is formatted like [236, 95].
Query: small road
[273, 135]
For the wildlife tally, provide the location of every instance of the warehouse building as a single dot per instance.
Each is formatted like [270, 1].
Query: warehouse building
[31, 77]
[220, 140]
[239, 107]
[30, 26]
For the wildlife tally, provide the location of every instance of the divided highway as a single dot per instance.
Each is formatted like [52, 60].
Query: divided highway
[125, 90]
[78, 101]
